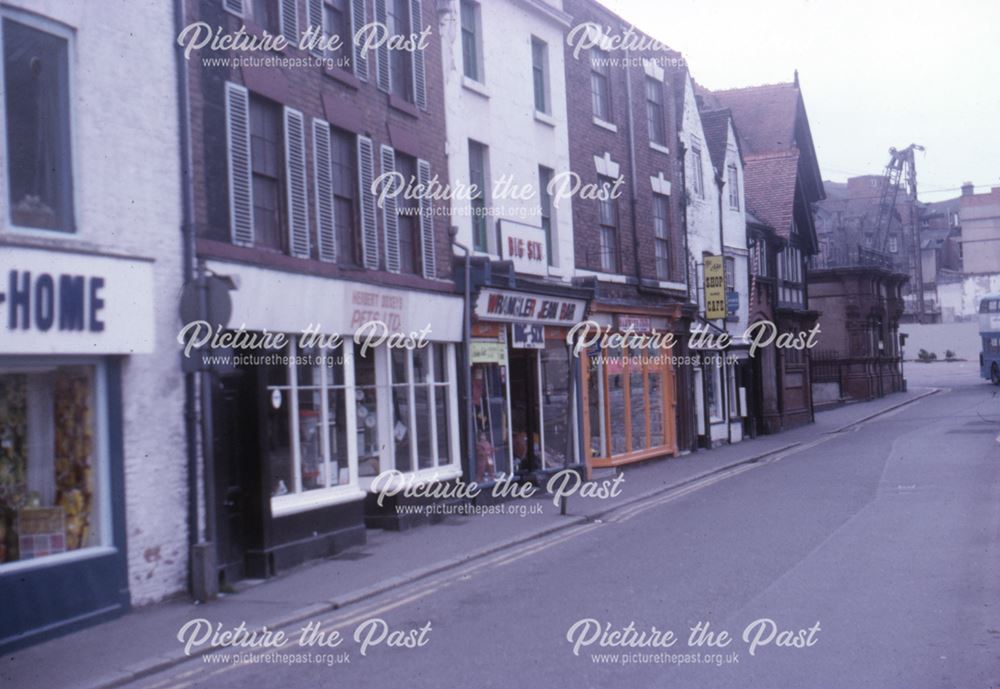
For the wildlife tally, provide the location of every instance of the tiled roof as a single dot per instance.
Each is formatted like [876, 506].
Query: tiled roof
[715, 123]
[769, 185]
[766, 115]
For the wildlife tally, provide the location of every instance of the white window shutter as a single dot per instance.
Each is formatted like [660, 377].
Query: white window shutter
[326, 232]
[427, 246]
[419, 71]
[288, 20]
[382, 70]
[234, 6]
[238, 162]
[358, 20]
[316, 20]
[295, 174]
[390, 221]
[366, 175]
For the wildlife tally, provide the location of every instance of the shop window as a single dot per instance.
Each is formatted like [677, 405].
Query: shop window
[558, 405]
[489, 397]
[419, 432]
[37, 108]
[50, 467]
[628, 403]
[366, 395]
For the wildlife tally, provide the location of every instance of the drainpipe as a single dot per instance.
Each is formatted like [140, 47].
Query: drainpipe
[470, 433]
[631, 168]
[188, 253]
[720, 181]
[692, 427]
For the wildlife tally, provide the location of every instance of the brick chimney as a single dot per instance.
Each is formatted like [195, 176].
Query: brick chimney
[968, 189]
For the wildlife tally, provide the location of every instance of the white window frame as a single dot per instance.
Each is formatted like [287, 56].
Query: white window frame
[697, 170]
[63, 31]
[101, 457]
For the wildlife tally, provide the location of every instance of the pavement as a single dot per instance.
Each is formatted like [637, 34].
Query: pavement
[142, 645]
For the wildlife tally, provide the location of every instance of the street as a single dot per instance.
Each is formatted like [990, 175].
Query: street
[881, 540]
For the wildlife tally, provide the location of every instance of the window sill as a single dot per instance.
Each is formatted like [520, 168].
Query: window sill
[605, 125]
[284, 505]
[476, 87]
[657, 147]
[58, 559]
[403, 106]
[343, 77]
[545, 118]
[401, 480]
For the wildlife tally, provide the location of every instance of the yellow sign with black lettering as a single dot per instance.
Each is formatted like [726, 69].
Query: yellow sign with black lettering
[715, 288]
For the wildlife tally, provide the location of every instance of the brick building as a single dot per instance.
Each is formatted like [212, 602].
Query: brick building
[301, 168]
[630, 240]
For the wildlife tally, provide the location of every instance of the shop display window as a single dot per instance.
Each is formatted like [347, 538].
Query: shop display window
[50, 463]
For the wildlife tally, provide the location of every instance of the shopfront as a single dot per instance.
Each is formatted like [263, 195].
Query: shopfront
[524, 380]
[630, 389]
[68, 321]
[363, 384]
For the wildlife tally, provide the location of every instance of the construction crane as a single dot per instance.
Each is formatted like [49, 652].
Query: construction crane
[901, 166]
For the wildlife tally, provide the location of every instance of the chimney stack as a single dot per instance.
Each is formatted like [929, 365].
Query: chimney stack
[968, 189]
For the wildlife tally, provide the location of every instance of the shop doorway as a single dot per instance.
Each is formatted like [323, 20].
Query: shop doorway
[524, 411]
[236, 466]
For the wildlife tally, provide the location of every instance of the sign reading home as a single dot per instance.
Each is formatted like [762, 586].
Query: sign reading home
[66, 303]
[503, 305]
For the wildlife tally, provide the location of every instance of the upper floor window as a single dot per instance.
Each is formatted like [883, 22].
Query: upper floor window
[729, 264]
[661, 234]
[698, 181]
[540, 74]
[654, 112]
[38, 142]
[478, 176]
[758, 254]
[600, 84]
[790, 276]
[344, 180]
[400, 66]
[265, 163]
[472, 51]
[608, 211]
[545, 199]
[264, 13]
[408, 216]
[337, 22]
[893, 243]
[733, 182]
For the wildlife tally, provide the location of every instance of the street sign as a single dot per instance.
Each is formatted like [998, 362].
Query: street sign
[715, 288]
[732, 302]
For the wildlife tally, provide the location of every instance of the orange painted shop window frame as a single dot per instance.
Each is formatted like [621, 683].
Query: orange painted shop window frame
[668, 411]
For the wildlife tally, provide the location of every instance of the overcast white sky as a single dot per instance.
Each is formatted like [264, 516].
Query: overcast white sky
[874, 74]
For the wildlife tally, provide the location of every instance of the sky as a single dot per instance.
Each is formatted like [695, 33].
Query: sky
[873, 73]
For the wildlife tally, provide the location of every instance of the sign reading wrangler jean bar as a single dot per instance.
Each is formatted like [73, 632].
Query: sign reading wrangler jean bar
[503, 305]
[715, 288]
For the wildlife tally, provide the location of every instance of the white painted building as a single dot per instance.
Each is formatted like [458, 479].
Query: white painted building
[505, 97]
[91, 398]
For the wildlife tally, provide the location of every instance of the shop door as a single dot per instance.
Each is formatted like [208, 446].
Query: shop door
[235, 461]
[524, 410]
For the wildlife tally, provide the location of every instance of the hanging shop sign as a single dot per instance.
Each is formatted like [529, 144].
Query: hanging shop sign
[527, 336]
[732, 302]
[55, 302]
[715, 288]
[524, 247]
[504, 305]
